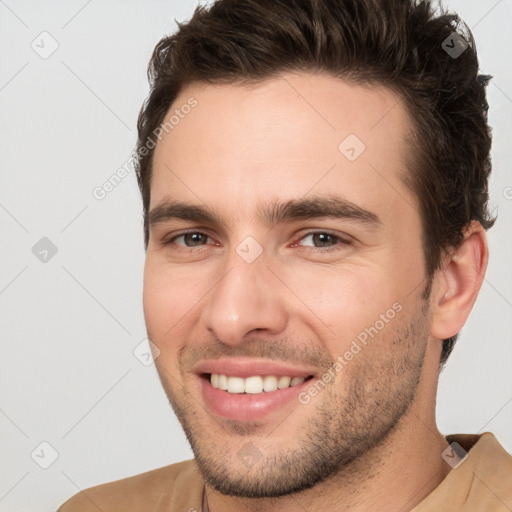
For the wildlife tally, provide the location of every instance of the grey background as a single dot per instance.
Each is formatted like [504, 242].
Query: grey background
[69, 376]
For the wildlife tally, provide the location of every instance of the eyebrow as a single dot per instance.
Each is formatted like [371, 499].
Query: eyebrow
[276, 212]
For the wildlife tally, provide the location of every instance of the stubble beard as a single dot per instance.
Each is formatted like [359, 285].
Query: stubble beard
[347, 424]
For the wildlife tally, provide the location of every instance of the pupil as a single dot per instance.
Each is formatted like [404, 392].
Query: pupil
[194, 238]
[323, 238]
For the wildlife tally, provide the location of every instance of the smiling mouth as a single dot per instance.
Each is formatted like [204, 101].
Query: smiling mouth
[254, 384]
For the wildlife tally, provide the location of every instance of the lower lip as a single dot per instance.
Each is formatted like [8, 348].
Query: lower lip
[247, 406]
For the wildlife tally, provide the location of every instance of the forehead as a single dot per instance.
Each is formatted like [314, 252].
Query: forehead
[283, 138]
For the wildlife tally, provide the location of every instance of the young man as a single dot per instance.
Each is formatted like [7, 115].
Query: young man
[314, 177]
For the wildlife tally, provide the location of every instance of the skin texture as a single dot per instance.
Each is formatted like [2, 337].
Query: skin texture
[242, 148]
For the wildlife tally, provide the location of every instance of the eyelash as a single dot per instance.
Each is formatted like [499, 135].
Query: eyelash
[341, 241]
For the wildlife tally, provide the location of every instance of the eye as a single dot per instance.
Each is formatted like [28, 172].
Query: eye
[322, 240]
[190, 239]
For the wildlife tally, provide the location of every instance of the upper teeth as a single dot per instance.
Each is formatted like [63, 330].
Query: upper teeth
[254, 384]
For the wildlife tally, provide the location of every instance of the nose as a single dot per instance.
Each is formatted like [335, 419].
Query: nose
[244, 300]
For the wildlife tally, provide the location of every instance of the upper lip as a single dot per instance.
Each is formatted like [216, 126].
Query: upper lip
[248, 367]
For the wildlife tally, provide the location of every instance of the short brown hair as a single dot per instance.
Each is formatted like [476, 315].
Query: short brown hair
[402, 44]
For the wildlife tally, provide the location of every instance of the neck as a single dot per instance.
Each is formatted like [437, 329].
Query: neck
[396, 475]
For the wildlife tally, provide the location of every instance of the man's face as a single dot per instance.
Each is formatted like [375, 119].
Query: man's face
[306, 261]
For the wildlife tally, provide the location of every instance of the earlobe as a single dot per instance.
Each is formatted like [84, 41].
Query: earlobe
[457, 283]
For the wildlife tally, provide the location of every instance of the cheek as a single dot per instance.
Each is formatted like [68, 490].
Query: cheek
[168, 298]
[349, 301]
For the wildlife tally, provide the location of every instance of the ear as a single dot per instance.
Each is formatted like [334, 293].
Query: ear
[457, 283]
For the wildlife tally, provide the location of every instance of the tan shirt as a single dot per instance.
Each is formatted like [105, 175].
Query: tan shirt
[482, 482]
